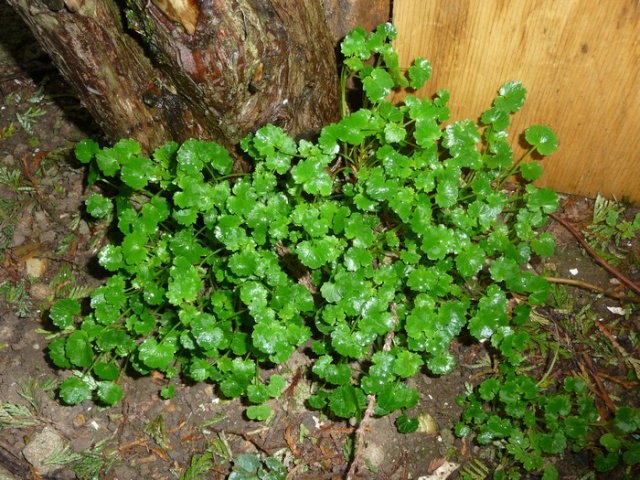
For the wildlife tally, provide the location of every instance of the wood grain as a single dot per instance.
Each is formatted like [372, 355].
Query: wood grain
[578, 59]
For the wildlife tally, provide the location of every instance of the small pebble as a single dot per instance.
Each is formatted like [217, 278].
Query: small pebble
[36, 267]
[40, 291]
[79, 420]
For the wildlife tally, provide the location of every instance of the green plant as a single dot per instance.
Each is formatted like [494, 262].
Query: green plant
[10, 177]
[619, 444]
[31, 388]
[200, 464]
[250, 467]
[27, 119]
[529, 424]
[16, 295]
[13, 415]
[380, 243]
[609, 229]
[88, 464]
[511, 412]
[8, 131]
[17, 416]
[475, 470]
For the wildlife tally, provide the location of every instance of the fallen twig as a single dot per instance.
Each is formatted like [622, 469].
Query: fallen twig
[595, 288]
[360, 433]
[625, 356]
[602, 392]
[246, 436]
[599, 260]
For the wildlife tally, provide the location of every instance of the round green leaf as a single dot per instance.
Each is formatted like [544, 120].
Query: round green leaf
[610, 442]
[86, 150]
[57, 353]
[110, 393]
[531, 171]
[185, 282]
[632, 455]
[259, 412]
[470, 260]
[378, 85]
[395, 396]
[550, 473]
[419, 73]
[553, 443]
[136, 172]
[62, 312]
[542, 138]
[73, 391]
[107, 161]
[110, 257]
[155, 355]
[98, 206]
[544, 245]
[347, 401]
[511, 97]
[168, 392]
[406, 424]
[355, 44]
[205, 331]
[442, 363]
[606, 463]
[106, 371]
[78, 349]
[406, 364]
[627, 419]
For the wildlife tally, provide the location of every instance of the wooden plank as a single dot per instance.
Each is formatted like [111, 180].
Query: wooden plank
[578, 59]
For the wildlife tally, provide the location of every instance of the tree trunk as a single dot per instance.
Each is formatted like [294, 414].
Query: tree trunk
[344, 15]
[179, 69]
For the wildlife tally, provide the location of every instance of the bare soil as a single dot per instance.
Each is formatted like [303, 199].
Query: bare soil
[47, 251]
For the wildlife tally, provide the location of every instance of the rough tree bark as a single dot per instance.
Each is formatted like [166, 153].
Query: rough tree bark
[173, 69]
[344, 15]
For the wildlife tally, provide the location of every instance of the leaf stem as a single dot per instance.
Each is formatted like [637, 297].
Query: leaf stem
[512, 170]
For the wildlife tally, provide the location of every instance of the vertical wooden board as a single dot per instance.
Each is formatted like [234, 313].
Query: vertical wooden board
[578, 59]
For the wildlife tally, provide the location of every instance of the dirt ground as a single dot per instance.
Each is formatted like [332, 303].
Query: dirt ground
[47, 251]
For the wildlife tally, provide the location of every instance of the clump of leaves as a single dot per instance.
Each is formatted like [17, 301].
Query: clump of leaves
[250, 467]
[529, 424]
[379, 243]
[619, 444]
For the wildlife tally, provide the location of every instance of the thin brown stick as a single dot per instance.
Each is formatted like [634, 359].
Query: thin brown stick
[360, 434]
[294, 471]
[599, 260]
[624, 383]
[602, 392]
[248, 438]
[595, 288]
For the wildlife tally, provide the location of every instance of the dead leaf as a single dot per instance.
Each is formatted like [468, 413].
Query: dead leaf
[442, 472]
